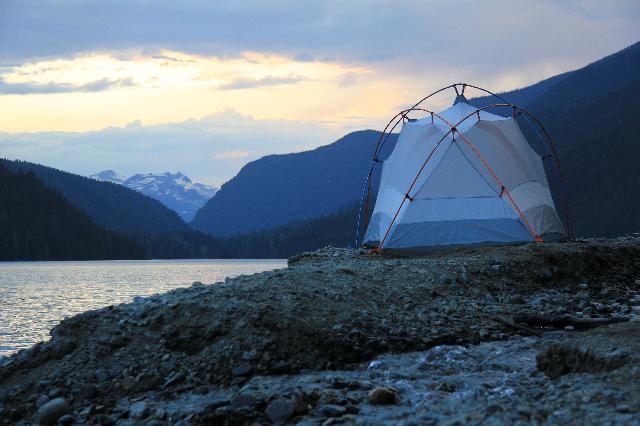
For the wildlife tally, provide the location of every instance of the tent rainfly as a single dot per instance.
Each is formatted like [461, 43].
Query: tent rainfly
[464, 176]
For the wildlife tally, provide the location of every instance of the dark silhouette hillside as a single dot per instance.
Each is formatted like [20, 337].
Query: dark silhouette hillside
[107, 204]
[282, 204]
[276, 190]
[279, 189]
[556, 95]
[37, 223]
[599, 145]
[592, 113]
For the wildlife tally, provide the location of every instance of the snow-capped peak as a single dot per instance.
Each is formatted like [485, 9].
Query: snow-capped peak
[109, 176]
[174, 190]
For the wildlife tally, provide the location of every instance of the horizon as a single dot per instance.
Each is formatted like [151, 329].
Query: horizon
[93, 87]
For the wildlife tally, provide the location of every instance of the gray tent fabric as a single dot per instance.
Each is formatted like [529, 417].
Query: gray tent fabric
[482, 184]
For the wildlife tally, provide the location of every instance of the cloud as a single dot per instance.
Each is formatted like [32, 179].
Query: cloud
[51, 87]
[334, 63]
[349, 79]
[231, 155]
[489, 35]
[249, 83]
[192, 146]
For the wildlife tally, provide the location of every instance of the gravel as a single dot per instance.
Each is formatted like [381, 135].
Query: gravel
[316, 340]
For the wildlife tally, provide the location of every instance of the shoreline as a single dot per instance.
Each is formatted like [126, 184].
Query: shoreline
[34, 297]
[266, 347]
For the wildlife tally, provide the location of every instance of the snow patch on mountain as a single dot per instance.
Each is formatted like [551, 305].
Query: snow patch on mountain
[174, 190]
[109, 176]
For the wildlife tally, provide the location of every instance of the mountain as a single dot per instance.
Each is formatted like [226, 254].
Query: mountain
[155, 230]
[336, 229]
[281, 204]
[279, 189]
[111, 206]
[591, 113]
[38, 223]
[591, 82]
[174, 190]
[109, 176]
[599, 149]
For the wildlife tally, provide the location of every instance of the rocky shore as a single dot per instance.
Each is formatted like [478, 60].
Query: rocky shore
[467, 336]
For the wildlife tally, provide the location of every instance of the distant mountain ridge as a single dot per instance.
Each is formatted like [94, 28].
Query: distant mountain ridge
[613, 72]
[593, 115]
[174, 190]
[156, 230]
[109, 176]
[278, 189]
[111, 206]
[281, 204]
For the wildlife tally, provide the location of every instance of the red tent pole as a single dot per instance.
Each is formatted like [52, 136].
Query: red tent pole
[453, 130]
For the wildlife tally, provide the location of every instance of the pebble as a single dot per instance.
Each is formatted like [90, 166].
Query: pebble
[250, 355]
[243, 400]
[100, 375]
[280, 410]
[173, 379]
[241, 370]
[331, 410]
[67, 419]
[54, 393]
[50, 413]
[139, 410]
[42, 400]
[382, 395]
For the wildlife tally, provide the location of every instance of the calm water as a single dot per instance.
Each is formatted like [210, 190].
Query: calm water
[35, 296]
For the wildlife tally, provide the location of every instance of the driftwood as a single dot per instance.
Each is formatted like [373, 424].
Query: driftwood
[521, 322]
[566, 320]
[513, 324]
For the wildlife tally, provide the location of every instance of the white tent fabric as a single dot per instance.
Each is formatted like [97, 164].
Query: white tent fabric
[457, 198]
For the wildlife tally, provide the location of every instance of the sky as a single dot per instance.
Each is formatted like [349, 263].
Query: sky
[203, 87]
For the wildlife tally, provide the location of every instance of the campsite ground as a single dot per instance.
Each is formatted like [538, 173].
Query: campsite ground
[343, 336]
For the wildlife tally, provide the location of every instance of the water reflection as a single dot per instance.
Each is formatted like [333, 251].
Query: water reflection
[35, 296]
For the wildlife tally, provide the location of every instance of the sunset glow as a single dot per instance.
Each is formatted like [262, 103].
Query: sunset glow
[82, 78]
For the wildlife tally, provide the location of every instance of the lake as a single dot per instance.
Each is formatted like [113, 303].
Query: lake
[35, 296]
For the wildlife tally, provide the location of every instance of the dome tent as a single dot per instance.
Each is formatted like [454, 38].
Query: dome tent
[464, 176]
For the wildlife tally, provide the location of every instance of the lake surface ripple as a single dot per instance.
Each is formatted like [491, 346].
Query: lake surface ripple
[35, 296]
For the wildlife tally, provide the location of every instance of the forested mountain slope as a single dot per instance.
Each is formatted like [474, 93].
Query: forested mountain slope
[279, 189]
[599, 145]
[37, 223]
[593, 115]
[107, 204]
[558, 94]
